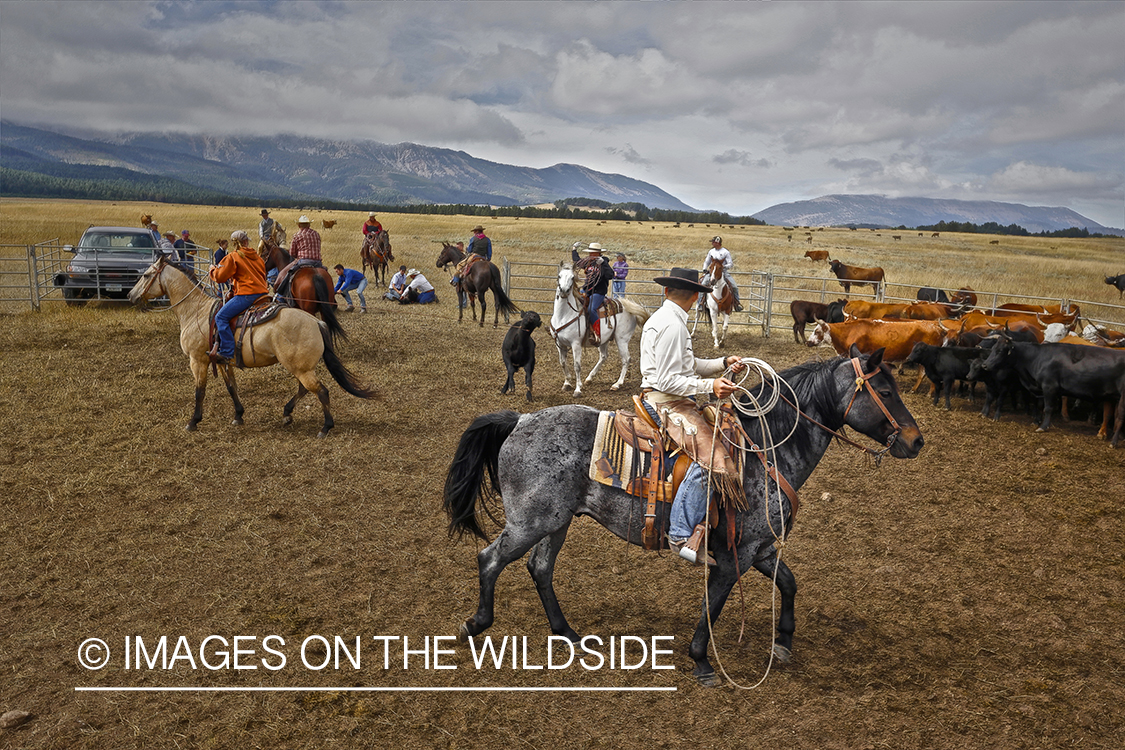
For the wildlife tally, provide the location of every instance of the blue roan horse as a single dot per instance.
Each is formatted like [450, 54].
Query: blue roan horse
[538, 463]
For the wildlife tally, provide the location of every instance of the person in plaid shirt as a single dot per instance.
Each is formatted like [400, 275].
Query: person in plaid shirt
[306, 241]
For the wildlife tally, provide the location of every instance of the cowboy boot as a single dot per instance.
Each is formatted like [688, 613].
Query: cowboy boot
[596, 332]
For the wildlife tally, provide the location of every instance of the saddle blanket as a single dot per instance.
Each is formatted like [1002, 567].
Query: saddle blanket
[616, 463]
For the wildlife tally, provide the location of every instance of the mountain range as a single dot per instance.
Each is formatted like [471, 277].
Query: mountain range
[880, 211]
[295, 170]
[295, 167]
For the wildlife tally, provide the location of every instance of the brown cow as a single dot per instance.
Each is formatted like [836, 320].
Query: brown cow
[964, 296]
[862, 309]
[982, 325]
[849, 275]
[931, 311]
[898, 337]
[816, 254]
[328, 223]
[805, 312]
[1019, 308]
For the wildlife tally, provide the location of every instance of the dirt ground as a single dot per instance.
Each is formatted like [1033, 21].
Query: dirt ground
[973, 597]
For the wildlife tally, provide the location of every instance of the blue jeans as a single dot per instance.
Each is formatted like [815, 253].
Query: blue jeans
[358, 292]
[618, 288]
[226, 314]
[595, 301]
[690, 506]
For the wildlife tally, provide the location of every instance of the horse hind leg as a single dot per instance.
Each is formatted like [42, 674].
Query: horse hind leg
[289, 406]
[541, 566]
[491, 561]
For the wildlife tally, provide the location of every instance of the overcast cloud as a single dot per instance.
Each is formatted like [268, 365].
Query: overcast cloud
[728, 106]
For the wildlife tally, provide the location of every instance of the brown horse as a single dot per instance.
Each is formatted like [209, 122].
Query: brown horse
[376, 252]
[310, 289]
[475, 281]
[295, 339]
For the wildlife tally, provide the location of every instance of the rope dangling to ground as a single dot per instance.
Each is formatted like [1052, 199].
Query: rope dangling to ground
[754, 409]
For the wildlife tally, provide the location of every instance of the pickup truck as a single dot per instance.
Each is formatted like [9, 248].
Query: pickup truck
[107, 263]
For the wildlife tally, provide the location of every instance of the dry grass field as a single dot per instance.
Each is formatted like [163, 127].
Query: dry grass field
[973, 597]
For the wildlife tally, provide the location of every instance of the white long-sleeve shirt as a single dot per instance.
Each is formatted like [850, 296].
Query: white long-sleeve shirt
[668, 363]
[719, 253]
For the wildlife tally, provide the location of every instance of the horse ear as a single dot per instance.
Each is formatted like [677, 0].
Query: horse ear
[853, 351]
[875, 360]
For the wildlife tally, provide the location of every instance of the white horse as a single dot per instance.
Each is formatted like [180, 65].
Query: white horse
[720, 301]
[569, 325]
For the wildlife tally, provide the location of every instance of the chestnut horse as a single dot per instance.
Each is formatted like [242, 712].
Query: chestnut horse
[310, 289]
[480, 277]
[376, 252]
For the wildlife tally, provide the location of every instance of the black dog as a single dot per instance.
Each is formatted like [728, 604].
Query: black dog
[519, 350]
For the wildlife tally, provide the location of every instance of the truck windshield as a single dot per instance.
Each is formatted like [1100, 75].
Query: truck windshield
[118, 242]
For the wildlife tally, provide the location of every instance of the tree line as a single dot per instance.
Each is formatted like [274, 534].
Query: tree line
[991, 227]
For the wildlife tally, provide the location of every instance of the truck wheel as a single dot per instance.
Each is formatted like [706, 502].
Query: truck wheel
[73, 297]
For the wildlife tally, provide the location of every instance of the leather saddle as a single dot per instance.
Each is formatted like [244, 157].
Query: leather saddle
[263, 310]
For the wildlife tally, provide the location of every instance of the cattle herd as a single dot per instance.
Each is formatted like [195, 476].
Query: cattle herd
[1026, 355]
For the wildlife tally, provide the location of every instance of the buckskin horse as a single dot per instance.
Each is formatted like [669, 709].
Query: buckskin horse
[376, 252]
[538, 464]
[294, 339]
[309, 288]
[477, 279]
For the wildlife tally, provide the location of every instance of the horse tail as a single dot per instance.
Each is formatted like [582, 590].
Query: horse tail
[503, 303]
[637, 310]
[478, 451]
[344, 377]
[326, 299]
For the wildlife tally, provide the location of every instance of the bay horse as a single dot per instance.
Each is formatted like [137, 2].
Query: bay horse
[294, 339]
[376, 252]
[480, 277]
[310, 289]
[538, 464]
[569, 326]
[720, 301]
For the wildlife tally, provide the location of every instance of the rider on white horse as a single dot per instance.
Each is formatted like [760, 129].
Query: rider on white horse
[598, 275]
[720, 253]
[671, 379]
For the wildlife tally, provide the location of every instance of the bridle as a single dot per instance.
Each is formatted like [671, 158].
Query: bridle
[148, 285]
[568, 296]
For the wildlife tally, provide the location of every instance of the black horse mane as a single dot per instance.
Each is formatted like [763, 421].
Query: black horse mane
[814, 384]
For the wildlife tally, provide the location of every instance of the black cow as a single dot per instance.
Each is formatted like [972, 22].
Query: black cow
[944, 365]
[929, 294]
[519, 350]
[1093, 373]
[999, 382]
[1118, 282]
[805, 312]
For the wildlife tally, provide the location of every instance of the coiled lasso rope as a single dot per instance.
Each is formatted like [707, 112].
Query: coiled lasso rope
[753, 407]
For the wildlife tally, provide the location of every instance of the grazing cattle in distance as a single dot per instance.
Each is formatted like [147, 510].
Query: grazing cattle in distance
[929, 294]
[805, 312]
[994, 242]
[1090, 373]
[898, 337]
[1118, 282]
[935, 234]
[944, 365]
[518, 350]
[816, 254]
[809, 239]
[964, 296]
[849, 275]
[896, 236]
[328, 223]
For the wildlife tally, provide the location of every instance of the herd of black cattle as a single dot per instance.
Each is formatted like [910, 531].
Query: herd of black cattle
[1011, 350]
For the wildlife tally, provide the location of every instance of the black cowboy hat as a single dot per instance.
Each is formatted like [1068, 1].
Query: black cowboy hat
[682, 278]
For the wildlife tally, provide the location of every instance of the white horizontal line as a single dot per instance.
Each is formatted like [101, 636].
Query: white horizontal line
[371, 689]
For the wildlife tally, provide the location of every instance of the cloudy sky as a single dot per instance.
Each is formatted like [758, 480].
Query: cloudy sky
[727, 105]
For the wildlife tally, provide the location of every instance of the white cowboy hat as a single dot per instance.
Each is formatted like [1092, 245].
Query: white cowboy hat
[304, 220]
[412, 272]
[594, 248]
[371, 215]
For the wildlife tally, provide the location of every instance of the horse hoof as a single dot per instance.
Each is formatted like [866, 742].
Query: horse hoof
[615, 387]
[287, 421]
[782, 654]
[708, 680]
[322, 434]
[463, 634]
[236, 422]
[191, 427]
